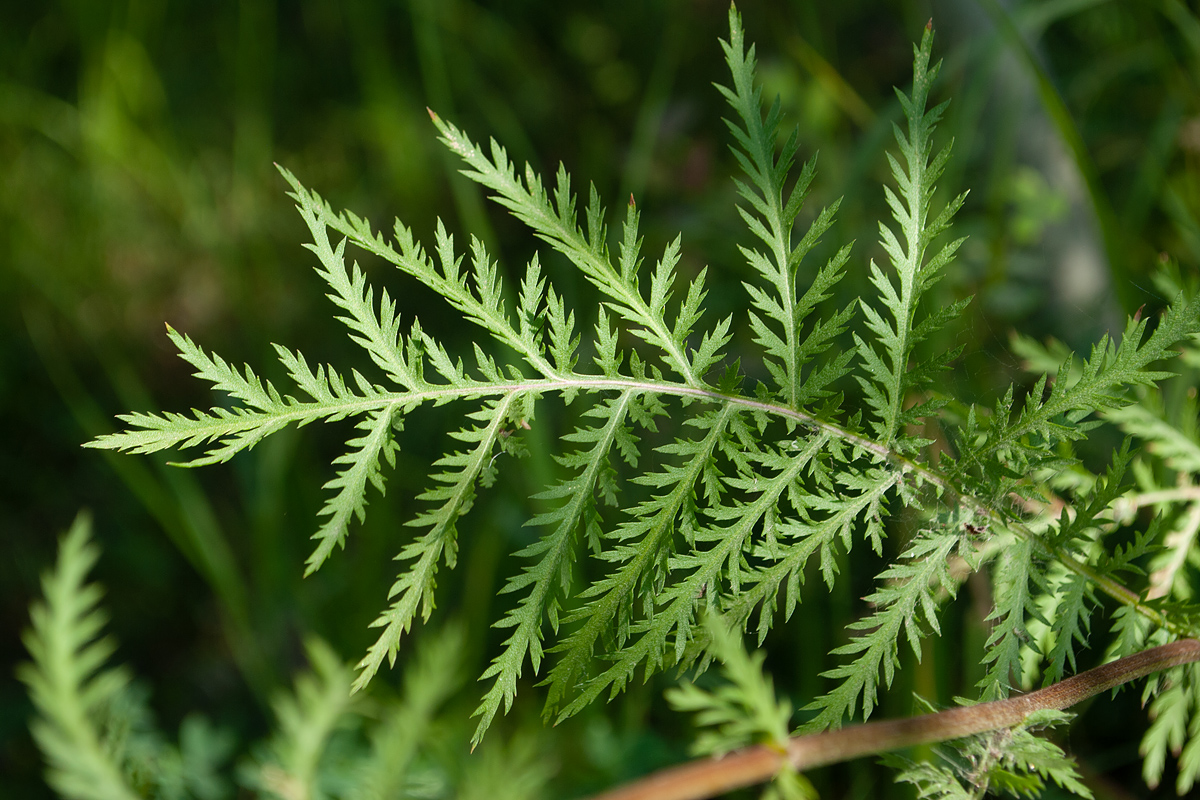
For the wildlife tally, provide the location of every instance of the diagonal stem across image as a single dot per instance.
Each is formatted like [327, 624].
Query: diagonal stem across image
[710, 777]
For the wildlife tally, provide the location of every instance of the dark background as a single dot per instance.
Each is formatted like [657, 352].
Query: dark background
[137, 187]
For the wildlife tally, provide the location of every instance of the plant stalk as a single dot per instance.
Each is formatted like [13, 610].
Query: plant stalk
[709, 777]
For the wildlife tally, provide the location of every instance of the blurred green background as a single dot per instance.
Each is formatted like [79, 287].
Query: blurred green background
[137, 188]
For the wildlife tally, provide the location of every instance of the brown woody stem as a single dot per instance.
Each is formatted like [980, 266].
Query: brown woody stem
[708, 777]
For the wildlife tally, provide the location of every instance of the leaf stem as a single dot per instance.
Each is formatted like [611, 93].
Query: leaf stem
[917, 473]
[709, 777]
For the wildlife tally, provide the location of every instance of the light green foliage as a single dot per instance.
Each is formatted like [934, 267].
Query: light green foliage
[781, 313]
[1023, 440]
[513, 770]
[1162, 426]
[742, 710]
[891, 378]
[70, 686]
[1014, 571]
[397, 741]
[93, 726]
[743, 495]
[306, 721]
[1014, 762]
[932, 780]
[906, 604]
[1174, 729]
[100, 741]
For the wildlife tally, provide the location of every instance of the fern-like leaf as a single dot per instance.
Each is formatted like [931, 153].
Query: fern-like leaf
[1021, 441]
[889, 377]
[406, 725]
[549, 579]
[643, 549]
[908, 593]
[1016, 576]
[771, 218]
[68, 681]
[306, 720]
[752, 491]
[351, 483]
[1172, 715]
[717, 559]
[413, 590]
[557, 223]
[743, 710]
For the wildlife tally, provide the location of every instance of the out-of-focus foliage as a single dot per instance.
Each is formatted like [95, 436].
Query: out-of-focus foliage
[101, 743]
[137, 140]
